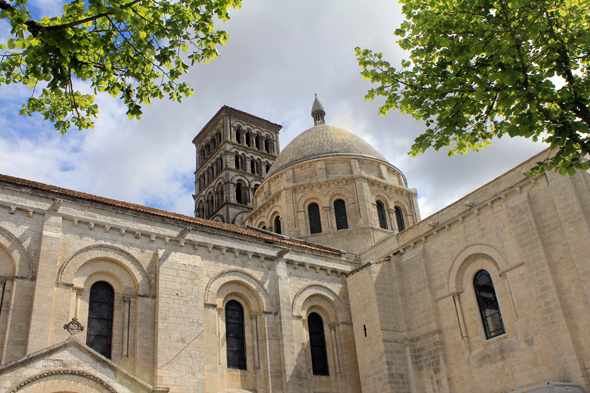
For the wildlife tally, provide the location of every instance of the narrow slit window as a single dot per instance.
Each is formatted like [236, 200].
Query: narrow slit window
[488, 304]
[278, 225]
[100, 318]
[317, 344]
[340, 213]
[239, 198]
[399, 217]
[234, 335]
[381, 215]
[315, 221]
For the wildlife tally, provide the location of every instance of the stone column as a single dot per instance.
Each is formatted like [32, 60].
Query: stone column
[392, 219]
[45, 284]
[126, 317]
[332, 327]
[219, 338]
[328, 215]
[459, 311]
[226, 135]
[79, 293]
[230, 191]
[292, 381]
[256, 337]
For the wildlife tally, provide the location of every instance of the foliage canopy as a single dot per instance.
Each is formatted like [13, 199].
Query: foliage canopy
[132, 49]
[485, 68]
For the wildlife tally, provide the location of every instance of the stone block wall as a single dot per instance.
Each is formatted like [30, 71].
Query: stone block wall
[529, 235]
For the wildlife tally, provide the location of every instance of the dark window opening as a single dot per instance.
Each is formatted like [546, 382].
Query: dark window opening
[239, 198]
[315, 222]
[381, 215]
[278, 225]
[340, 213]
[317, 344]
[399, 217]
[100, 318]
[488, 304]
[239, 135]
[234, 335]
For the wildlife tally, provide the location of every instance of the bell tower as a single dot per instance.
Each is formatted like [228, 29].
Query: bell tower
[235, 150]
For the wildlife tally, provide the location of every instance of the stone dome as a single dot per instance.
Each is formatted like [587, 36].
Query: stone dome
[321, 141]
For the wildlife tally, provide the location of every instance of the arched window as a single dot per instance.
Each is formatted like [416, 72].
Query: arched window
[239, 135]
[315, 222]
[381, 215]
[256, 187]
[234, 335]
[267, 168]
[237, 162]
[267, 145]
[259, 142]
[317, 344]
[399, 217]
[100, 318]
[239, 198]
[252, 166]
[278, 225]
[249, 139]
[340, 213]
[488, 304]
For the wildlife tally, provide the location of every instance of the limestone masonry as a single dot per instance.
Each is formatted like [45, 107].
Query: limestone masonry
[306, 270]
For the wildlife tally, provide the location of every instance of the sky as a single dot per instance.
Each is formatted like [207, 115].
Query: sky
[279, 54]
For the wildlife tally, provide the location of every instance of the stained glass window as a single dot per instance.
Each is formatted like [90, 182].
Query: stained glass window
[381, 215]
[315, 222]
[488, 304]
[317, 344]
[100, 318]
[234, 335]
[399, 216]
[340, 213]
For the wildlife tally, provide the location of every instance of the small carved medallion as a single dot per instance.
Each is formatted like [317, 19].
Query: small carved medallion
[74, 327]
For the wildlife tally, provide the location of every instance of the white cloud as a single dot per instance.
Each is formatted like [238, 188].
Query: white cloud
[279, 54]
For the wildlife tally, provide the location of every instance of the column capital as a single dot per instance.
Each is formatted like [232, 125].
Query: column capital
[79, 291]
[128, 298]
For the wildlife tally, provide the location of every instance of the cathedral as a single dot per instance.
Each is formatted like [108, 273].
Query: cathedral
[307, 269]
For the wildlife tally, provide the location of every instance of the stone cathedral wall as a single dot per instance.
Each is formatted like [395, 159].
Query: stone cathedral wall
[417, 301]
[171, 286]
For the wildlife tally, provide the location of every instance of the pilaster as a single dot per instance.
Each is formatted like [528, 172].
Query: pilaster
[45, 283]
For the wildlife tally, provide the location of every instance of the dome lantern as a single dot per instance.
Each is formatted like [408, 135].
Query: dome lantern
[317, 112]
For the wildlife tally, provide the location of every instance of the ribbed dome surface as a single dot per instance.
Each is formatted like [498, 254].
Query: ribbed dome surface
[323, 140]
